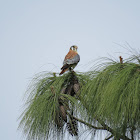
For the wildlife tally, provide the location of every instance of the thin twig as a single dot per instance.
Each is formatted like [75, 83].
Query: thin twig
[109, 137]
[88, 124]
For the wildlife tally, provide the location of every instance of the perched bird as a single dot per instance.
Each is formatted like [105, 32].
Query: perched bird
[71, 59]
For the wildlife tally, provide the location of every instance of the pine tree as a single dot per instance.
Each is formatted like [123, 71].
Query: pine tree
[104, 99]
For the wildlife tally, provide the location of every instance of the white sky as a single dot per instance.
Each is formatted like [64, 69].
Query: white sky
[35, 35]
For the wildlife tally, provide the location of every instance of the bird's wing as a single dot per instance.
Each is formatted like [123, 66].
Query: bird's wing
[74, 60]
[71, 58]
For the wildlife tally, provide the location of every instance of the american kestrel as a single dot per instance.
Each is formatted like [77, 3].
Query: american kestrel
[71, 59]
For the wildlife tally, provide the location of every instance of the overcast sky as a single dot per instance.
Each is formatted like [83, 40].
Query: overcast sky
[35, 36]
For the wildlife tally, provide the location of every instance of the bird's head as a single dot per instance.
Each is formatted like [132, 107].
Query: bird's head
[74, 48]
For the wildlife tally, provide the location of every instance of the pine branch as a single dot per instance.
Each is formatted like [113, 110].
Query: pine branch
[109, 137]
[112, 131]
[105, 127]
[88, 124]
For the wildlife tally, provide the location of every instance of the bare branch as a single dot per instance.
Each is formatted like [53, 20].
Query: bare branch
[109, 137]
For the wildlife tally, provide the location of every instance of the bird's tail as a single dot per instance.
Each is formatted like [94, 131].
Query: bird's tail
[63, 70]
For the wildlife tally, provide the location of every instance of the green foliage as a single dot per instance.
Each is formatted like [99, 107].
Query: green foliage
[44, 114]
[107, 97]
[113, 96]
